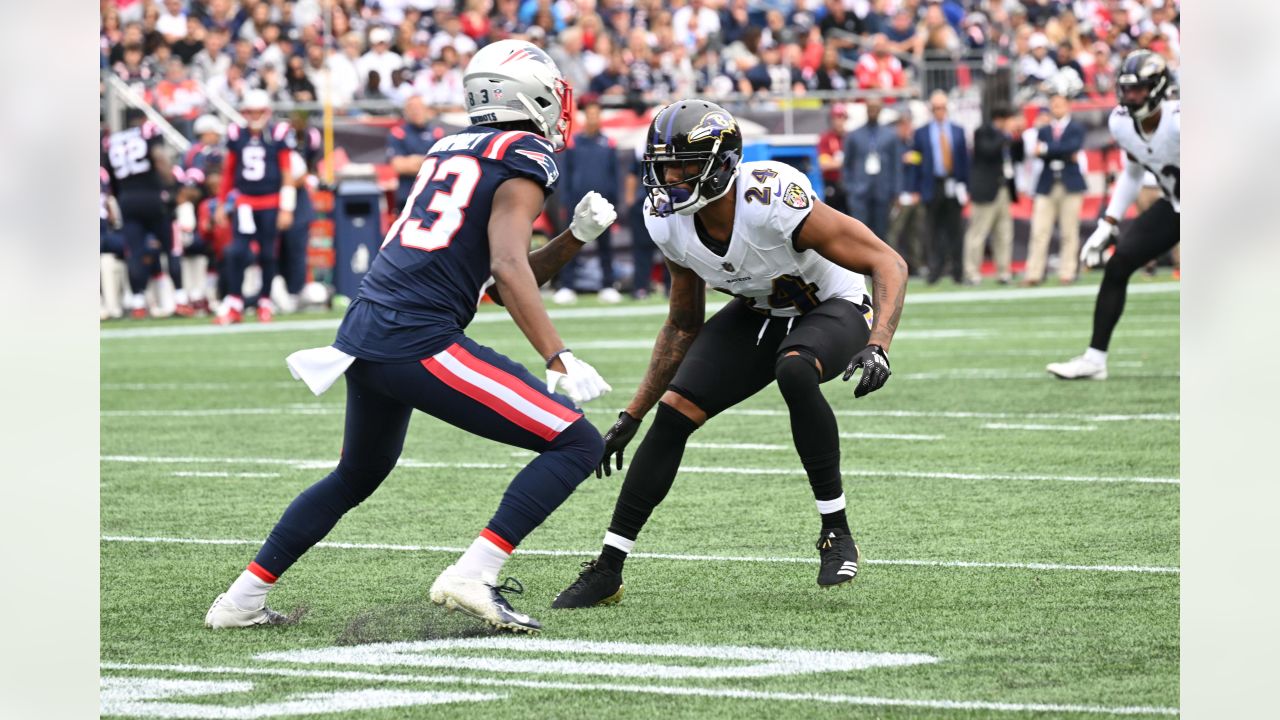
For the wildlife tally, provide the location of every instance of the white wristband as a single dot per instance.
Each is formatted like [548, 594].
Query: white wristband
[288, 198]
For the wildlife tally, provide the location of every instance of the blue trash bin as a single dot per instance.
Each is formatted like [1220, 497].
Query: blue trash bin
[357, 225]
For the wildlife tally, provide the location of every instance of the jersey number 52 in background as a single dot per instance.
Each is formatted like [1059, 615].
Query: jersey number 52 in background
[447, 204]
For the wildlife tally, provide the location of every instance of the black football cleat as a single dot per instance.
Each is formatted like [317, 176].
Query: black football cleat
[838, 557]
[595, 586]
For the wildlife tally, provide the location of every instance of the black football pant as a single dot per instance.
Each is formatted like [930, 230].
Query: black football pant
[1152, 234]
[946, 240]
[735, 355]
[470, 387]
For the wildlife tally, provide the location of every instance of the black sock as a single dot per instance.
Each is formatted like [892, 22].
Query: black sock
[652, 471]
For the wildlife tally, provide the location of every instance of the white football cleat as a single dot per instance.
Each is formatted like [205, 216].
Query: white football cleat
[609, 296]
[224, 614]
[1078, 368]
[565, 296]
[483, 601]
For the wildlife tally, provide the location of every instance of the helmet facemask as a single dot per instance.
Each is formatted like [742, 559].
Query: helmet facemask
[709, 184]
[1155, 79]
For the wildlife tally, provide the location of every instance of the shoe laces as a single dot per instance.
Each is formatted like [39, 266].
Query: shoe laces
[588, 568]
[510, 586]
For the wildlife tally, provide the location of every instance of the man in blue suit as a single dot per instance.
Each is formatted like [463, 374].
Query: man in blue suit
[1059, 194]
[942, 185]
[871, 169]
[590, 164]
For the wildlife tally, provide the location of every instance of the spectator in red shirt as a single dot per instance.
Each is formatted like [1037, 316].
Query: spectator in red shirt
[179, 98]
[831, 156]
[879, 69]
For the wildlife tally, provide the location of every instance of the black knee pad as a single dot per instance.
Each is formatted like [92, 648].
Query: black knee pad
[796, 372]
[581, 444]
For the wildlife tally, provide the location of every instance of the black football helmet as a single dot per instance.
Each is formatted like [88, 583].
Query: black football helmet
[688, 131]
[1142, 69]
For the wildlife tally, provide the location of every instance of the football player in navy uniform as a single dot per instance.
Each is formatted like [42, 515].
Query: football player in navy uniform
[1148, 126]
[308, 151]
[142, 180]
[402, 345]
[802, 316]
[257, 167]
[110, 248]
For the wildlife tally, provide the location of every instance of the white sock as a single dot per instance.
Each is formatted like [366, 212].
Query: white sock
[617, 541]
[249, 592]
[484, 559]
[1097, 357]
[180, 296]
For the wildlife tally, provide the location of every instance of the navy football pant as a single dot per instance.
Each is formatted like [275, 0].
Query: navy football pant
[470, 387]
[239, 255]
[293, 249]
[144, 217]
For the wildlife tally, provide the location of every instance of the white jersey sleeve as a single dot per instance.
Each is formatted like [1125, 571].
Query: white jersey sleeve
[794, 200]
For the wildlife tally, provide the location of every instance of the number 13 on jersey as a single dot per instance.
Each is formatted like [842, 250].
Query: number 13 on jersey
[448, 201]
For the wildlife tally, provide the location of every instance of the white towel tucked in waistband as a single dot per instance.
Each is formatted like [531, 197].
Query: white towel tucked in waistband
[319, 367]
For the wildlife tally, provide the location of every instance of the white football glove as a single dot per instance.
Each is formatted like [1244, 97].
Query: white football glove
[593, 216]
[580, 382]
[1104, 235]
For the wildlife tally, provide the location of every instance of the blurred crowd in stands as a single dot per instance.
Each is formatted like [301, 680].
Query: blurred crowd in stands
[913, 180]
[179, 52]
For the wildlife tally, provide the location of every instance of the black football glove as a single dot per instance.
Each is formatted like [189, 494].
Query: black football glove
[875, 369]
[615, 441]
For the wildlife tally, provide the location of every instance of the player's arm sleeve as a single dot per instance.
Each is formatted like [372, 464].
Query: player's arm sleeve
[1127, 187]
[531, 157]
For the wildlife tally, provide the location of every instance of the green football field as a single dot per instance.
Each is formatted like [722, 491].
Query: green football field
[1020, 535]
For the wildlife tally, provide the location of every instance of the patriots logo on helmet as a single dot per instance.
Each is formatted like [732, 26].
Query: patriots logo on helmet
[712, 125]
[795, 197]
[545, 161]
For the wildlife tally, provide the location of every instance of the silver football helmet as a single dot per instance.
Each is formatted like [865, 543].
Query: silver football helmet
[513, 80]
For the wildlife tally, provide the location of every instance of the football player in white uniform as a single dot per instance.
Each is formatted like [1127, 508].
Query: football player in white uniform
[801, 316]
[1149, 128]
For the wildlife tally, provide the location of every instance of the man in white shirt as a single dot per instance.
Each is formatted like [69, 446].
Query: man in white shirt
[172, 23]
[380, 59]
[694, 23]
[343, 67]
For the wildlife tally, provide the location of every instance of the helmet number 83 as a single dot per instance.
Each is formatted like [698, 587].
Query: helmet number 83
[449, 204]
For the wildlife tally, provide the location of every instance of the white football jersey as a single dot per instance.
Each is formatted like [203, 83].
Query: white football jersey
[761, 264]
[1159, 154]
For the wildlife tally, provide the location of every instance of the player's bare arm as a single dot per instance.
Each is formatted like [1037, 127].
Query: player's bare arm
[547, 261]
[515, 205]
[848, 243]
[685, 315]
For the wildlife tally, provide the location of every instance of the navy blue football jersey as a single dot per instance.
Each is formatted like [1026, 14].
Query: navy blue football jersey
[197, 161]
[256, 160]
[127, 157]
[425, 283]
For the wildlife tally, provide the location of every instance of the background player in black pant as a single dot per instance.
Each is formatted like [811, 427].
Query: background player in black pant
[1149, 128]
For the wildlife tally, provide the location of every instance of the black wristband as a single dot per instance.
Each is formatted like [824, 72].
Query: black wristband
[555, 355]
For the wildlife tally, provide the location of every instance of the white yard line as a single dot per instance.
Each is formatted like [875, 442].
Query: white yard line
[738, 446]
[203, 473]
[648, 689]
[492, 316]
[1016, 426]
[965, 414]
[687, 469]
[670, 556]
[889, 436]
[332, 409]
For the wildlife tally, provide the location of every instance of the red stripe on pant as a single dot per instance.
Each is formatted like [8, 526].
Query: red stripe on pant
[511, 382]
